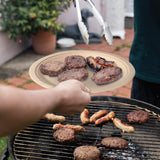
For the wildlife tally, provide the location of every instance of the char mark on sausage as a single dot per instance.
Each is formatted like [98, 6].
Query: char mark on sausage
[99, 63]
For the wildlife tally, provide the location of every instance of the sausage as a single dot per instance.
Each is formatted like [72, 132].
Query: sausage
[99, 63]
[84, 116]
[122, 126]
[97, 115]
[101, 120]
[74, 127]
[92, 64]
[104, 63]
[53, 117]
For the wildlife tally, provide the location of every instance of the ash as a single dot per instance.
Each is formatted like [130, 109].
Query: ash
[133, 152]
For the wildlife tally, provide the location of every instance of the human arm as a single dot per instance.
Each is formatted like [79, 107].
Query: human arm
[20, 108]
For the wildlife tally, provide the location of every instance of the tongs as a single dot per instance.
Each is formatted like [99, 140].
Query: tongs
[106, 32]
[81, 25]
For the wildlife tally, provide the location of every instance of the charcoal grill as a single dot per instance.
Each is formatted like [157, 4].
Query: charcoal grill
[37, 142]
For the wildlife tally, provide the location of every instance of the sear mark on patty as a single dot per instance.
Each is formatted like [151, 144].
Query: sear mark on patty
[86, 153]
[79, 74]
[114, 143]
[107, 75]
[52, 68]
[138, 117]
[75, 61]
[64, 135]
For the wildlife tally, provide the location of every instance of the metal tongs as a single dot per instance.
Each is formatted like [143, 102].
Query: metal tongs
[106, 32]
[81, 25]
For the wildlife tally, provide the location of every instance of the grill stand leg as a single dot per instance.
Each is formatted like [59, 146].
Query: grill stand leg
[5, 154]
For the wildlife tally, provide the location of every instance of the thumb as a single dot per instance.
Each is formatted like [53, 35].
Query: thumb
[87, 97]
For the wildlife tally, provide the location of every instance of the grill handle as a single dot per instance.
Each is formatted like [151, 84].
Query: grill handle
[5, 154]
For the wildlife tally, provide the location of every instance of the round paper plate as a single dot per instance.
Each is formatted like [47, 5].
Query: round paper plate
[48, 82]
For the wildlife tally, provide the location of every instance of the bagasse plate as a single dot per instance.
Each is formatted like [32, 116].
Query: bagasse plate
[48, 82]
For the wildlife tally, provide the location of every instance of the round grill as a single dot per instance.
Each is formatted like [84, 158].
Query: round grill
[37, 142]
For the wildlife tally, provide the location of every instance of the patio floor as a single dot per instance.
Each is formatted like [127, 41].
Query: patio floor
[120, 47]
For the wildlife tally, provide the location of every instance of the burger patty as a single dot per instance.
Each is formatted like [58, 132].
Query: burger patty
[107, 75]
[52, 68]
[114, 143]
[86, 153]
[64, 135]
[75, 61]
[138, 117]
[79, 74]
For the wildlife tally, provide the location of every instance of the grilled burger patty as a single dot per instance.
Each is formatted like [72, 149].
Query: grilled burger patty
[138, 117]
[52, 68]
[107, 75]
[79, 74]
[114, 143]
[64, 135]
[75, 61]
[86, 153]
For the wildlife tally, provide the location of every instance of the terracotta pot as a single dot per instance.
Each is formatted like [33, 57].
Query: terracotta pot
[44, 42]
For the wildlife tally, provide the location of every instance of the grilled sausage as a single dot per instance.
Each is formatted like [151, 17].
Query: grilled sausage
[122, 126]
[99, 63]
[104, 63]
[84, 116]
[74, 127]
[93, 65]
[97, 115]
[101, 120]
[54, 118]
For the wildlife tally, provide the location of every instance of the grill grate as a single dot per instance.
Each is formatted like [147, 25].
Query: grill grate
[37, 142]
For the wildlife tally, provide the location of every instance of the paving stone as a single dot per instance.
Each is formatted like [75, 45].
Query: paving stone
[16, 81]
[33, 86]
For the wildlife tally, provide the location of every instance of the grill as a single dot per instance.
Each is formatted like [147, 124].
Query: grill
[37, 142]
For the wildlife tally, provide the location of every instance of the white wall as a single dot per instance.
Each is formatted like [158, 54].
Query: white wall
[9, 48]
[115, 16]
[129, 4]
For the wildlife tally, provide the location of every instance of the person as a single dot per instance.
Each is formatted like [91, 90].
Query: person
[145, 51]
[20, 108]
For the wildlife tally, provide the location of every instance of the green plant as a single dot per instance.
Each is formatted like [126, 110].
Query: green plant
[122, 46]
[26, 17]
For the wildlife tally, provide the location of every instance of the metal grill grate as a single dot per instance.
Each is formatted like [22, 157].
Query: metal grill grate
[37, 142]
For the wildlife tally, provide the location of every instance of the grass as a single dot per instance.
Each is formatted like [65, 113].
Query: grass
[3, 145]
[122, 46]
[26, 82]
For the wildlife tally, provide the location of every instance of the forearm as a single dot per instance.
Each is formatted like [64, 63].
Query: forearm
[20, 108]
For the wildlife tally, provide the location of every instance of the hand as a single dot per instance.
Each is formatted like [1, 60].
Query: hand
[74, 97]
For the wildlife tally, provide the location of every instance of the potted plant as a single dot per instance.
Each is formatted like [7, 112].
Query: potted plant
[33, 18]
